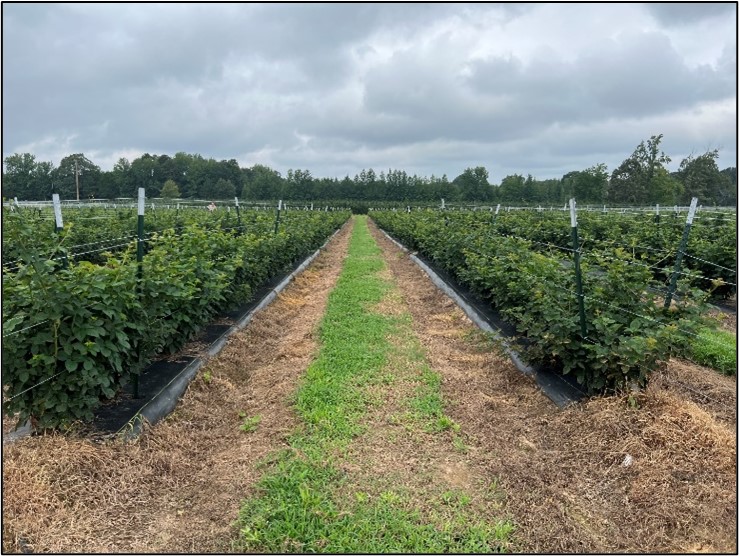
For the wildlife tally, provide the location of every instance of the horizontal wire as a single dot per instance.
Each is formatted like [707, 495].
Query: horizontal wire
[622, 309]
[687, 387]
[34, 386]
[709, 263]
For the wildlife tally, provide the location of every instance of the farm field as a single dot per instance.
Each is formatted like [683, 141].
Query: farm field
[363, 412]
[603, 319]
[82, 319]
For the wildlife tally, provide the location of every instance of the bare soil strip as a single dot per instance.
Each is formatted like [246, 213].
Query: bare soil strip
[600, 476]
[179, 487]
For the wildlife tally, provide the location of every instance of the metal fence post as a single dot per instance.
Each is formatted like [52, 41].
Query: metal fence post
[238, 213]
[277, 219]
[681, 252]
[578, 272]
[139, 273]
[59, 223]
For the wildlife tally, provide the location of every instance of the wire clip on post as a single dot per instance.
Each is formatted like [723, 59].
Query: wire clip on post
[681, 252]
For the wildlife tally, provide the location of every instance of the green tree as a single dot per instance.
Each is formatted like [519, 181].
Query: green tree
[223, 189]
[170, 190]
[262, 183]
[143, 174]
[511, 188]
[122, 178]
[106, 187]
[701, 178]
[89, 176]
[473, 184]
[729, 175]
[298, 185]
[25, 178]
[642, 178]
[587, 186]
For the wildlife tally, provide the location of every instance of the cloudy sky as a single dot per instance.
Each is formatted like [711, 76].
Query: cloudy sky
[428, 88]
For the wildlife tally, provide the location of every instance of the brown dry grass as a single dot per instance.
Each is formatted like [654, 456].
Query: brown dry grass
[398, 453]
[563, 473]
[179, 486]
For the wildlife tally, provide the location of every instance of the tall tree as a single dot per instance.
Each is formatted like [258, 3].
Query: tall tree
[170, 190]
[89, 176]
[262, 183]
[701, 178]
[729, 175]
[25, 178]
[223, 189]
[587, 186]
[298, 185]
[511, 188]
[642, 178]
[122, 178]
[473, 184]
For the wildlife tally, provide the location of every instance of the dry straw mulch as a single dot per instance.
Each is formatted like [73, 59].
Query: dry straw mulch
[600, 476]
[177, 488]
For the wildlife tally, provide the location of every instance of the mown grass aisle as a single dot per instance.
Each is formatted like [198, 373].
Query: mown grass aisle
[312, 497]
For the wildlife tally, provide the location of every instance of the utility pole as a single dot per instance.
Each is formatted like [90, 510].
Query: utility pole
[77, 178]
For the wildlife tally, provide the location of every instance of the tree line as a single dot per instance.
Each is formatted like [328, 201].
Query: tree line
[640, 179]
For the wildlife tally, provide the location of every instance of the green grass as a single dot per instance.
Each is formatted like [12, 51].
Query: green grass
[294, 509]
[716, 349]
[250, 423]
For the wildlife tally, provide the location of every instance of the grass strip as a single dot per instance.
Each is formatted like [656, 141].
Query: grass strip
[715, 349]
[294, 509]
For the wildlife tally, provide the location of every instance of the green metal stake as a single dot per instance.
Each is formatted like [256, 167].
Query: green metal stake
[578, 272]
[277, 219]
[495, 216]
[139, 274]
[238, 213]
[59, 223]
[681, 252]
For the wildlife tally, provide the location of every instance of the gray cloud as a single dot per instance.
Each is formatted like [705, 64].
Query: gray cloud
[687, 13]
[431, 88]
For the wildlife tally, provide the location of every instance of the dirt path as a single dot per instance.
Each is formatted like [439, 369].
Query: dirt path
[177, 489]
[564, 476]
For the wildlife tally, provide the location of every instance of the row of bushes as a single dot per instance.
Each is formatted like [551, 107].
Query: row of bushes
[628, 332]
[91, 327]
